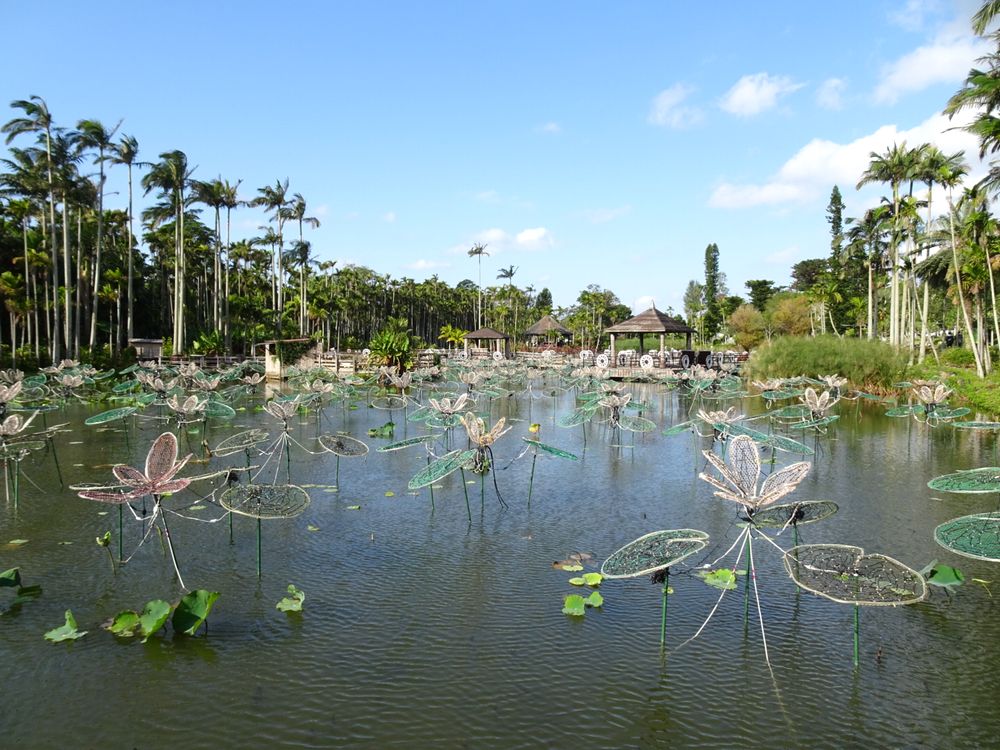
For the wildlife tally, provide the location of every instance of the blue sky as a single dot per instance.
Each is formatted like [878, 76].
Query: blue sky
[584, 142]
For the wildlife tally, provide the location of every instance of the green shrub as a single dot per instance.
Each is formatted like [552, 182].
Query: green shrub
[958, 357]
[871, 366]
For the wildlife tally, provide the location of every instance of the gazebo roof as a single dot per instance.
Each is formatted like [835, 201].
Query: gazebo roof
[485, 333]
[650, 321]
[546, 324]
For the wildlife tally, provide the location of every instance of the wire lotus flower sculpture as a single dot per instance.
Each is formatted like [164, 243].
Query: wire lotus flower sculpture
[741, 474]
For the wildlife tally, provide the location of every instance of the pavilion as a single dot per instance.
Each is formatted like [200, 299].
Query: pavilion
[650, 321]
[546, 325]
[497, 341]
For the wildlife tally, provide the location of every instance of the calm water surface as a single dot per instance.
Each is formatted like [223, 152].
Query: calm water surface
[423, 630]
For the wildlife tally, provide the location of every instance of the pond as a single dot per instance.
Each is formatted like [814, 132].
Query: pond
[421, 629]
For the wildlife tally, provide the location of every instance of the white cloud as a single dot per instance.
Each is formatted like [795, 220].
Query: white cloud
[912, 15]
[604, 215]
[946, 59]
[830, 93]
[753, 94]
[493, 236]
[818, 165]
[321, 210]
[668, 110]
[389, 217]
[552, 128]
[426, 265]
[534, 238]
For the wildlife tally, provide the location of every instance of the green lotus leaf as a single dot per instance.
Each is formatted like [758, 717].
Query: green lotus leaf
[124, 624]
[594, 600]
[66, 632]
[154, 616]
[574, 605]
[292, 602]
[193, 610]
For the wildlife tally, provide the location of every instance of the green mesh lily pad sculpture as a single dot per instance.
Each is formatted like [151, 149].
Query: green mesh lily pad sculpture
[846, 574]
[652, 554]
[976, 536]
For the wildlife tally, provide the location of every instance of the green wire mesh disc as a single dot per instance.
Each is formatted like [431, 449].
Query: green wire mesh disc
[111, 415]
[551, 450]
[821, 422]
[407, 443]
[241, 441]
[807, 511]
[218, 409]
[976, 536]
[905, 411]
[792, 411]
[343, 445]
[845, 574]
[265, 500]
[575, 417]
[441, 468]
[991, 426]
[678, 428]
[388, 402]
[635, 424]
[780, 395]
[973, 481]
[652, 552]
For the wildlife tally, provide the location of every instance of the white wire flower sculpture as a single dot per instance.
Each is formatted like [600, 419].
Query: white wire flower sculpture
[741, 474]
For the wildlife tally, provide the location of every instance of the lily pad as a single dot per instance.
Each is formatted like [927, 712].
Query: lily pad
[154, 616]
[594, 600]
[574, 605]
[652, 552]
[723, 578]
[193, 610]
[292, 602]
[66, 632]
[846, 574]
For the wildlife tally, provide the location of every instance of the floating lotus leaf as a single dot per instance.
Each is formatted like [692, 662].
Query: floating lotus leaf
[635, 424]
[420, 439]
[219, 409]
[551, 450]
[193, 610]
[442, 467]
[845, 574]
[678, 428]
[388, 402]
[343, 445]
[973, 481]
[652, 552]
[991, 426]
[241, 441]
[807, 511]
[67, 632]
[265, 500]
[111, 415]
[976, 536]
[821, 422]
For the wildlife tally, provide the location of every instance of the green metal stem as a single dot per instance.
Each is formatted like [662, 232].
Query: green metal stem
[431, 485]
[258, 548]
[857, 633]
[121, 520]
[663, 616]
[465, 489]
[531, 478]
[746, 587]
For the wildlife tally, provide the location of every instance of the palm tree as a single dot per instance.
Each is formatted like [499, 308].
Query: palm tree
[38, 119]
[230, 201]
[296, 210]
[93, 134]
[171, 176]
[893, 167]
[213, 194]
[126, 152]
[478, 251]
[276, 199]
[508, 274]
[868, 235]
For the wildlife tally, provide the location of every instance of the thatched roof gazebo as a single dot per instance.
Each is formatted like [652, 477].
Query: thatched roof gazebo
[650, 321]
[546, 325]
[496, 340]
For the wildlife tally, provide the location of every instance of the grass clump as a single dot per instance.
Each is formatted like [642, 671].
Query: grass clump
[871, 366]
